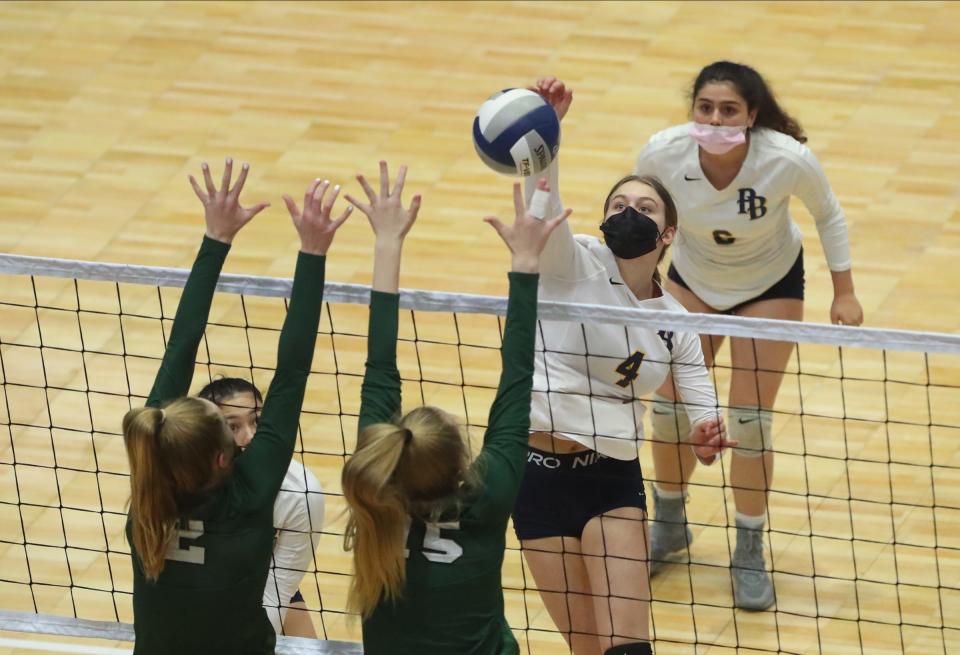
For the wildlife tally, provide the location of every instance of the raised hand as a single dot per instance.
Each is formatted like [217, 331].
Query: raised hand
[387, 216]
[708, 439]
[528, 235]
[314, 225]
[555, 92]
[222, 211]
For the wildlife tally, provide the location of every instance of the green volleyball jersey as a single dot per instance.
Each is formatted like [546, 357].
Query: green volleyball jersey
[208, 598]
[452, 601]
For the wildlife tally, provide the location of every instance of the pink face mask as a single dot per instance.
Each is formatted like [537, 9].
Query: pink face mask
[718, 140]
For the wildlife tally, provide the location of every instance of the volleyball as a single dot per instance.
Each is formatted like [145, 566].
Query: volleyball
[516, 132]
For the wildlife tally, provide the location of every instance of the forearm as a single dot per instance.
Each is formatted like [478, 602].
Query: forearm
[380, 393]
[842, 282]
[386, 265]
[268, 456]
[511, 407]
[176, 371]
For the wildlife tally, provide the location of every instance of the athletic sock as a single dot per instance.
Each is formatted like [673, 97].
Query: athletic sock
[635, 648]
[752, 522]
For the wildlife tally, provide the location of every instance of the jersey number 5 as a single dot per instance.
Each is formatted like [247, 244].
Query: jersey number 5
[628, 369]
[435, 547]
[180, 548]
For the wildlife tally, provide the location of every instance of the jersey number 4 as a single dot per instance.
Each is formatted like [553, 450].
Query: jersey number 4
[628, 369]
[435, 547]
[181, 548]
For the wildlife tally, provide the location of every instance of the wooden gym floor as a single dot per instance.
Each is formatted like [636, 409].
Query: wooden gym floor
[108, 106]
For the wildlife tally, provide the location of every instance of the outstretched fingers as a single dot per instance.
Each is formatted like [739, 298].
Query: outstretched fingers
[208, 180]
[498, 225]
[519, 205]
[256, 209]
[371, 196]
[292, 207]
[227, 172]
[327, 205]
[384, 179]
[342, 218]
[401, 178]
[196, 189]
[552, 224]
[241, 180]
[415, 207]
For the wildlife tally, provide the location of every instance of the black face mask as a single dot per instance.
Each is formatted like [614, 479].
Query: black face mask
[630, 234]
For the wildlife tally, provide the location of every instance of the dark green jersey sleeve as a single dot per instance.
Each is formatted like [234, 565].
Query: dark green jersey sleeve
[380, 393]
[501, 461]
[176, 369]
[259, 471]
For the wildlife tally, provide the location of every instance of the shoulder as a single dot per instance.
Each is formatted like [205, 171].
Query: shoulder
[588, 241]
[783, 147]
[672, 140]
[671, 136]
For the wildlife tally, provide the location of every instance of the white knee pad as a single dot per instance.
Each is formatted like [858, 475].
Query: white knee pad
[753, 428]
[670, 421]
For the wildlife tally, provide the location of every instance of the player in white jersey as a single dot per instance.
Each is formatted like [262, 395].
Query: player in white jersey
[738, 251]
[297, 513]
[581, 511]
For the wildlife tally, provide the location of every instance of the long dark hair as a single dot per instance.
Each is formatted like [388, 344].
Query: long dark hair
[669, 207]
[222, 388]
[755, 91]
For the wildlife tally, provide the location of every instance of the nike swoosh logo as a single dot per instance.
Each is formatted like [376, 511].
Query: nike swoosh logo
[747, 420]
[660, 413]
[691, 179]
[619, 284]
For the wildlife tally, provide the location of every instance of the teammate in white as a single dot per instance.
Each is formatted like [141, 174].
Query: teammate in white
[738, 251]
[297, 513]
[581, 511]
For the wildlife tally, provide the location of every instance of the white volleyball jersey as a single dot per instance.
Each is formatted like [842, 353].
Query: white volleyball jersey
[734, 244]
[298, 519]
[588, 378]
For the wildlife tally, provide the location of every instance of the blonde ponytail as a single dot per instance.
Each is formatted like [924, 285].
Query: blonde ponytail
[377, 525]
[173, 452]
[415, 467]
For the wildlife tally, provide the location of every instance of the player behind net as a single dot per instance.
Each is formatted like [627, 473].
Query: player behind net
[200, 524]
[297, 513]
[427, 527]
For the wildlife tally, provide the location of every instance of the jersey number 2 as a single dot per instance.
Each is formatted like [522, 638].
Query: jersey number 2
[435, 547]
[628, 369]
[180, 548]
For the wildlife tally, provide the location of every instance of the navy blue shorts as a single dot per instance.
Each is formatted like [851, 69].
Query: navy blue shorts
[561, 493]
[789, 286]
[297, 598]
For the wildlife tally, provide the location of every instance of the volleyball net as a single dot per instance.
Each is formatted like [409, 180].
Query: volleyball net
[863, 535]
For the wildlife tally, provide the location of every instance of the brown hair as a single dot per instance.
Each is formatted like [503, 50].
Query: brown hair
[173, 454]
[418, 466]
[751, 86]
[669, 207]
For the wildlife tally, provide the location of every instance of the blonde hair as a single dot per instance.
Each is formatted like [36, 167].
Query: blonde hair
[173, 453]
[418, 467]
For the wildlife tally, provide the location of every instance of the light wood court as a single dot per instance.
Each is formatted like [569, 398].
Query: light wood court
[107, 107]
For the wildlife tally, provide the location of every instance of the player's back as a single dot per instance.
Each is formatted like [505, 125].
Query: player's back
[211, 586]
[452, 600]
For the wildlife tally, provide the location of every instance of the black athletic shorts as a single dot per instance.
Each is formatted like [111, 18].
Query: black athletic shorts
[561, 493]
[789, 286]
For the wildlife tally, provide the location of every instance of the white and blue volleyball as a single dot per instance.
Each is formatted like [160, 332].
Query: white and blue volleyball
[516, 132]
